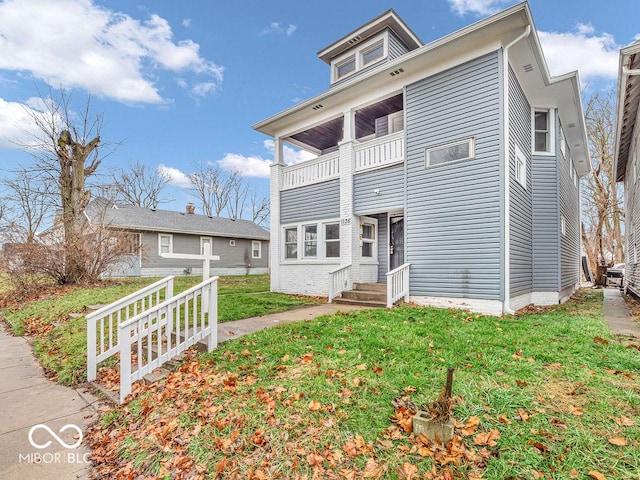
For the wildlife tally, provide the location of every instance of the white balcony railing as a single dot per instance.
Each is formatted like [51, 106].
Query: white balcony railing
[380, 152]
[398, 284]
[339, 281]
[313, 171]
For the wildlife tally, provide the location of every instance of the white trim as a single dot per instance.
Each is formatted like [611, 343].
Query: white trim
[563, 226]
[520, 167]
[170, 236]
[373, 259]
[356, 54]
[545, 298]
[253, 249]
[470, 141]
[202, 243]
[320, 256]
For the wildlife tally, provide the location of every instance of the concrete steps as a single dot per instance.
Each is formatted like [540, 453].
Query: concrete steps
[365, 294]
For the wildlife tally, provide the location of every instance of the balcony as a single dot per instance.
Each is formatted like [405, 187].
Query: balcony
[376, 153]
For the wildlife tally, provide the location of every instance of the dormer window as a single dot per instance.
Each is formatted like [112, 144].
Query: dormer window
[346, 67]
[360, 56]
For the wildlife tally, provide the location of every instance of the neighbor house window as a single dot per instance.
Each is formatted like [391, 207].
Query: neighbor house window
[256, 249]
[373, 53]
[521, 167]
[368, 239]
[165, 243]
[291, 243]
[332, 240]
[541, 133]
[206, 241]
[346, 67]
[450, 152]
[310, 240]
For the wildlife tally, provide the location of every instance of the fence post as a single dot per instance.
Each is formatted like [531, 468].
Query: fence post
[212, 340]
[125, 362]
[91, 350]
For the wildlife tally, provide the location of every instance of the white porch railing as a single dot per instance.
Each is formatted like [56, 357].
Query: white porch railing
[102, 325]
[313, 171]
[398, 284]
[339, 281]
[167, 330]
[380, 152]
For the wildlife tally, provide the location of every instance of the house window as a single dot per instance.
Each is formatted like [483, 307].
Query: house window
[368, 239]
[376, 52]
[291, 243]
[450, 152]
[541, 131]
[563, 226]
[563, 143]
[256, 249]
[165, 243]
[310, 241]
[521, 167]
[346, 67]
[332, 240]
[206, 241]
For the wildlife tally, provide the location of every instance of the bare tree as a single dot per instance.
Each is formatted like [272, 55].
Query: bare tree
[67, 148]
[27, 207]
[211, 187]
[602, 200]
[139, 185]
[260, 208]
[238, 194]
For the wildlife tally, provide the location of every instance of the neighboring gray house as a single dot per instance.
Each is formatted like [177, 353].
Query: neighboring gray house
[460, 157]
[242, 245]
[627, 156]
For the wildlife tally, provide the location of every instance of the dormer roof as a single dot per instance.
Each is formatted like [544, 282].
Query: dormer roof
[388, 19]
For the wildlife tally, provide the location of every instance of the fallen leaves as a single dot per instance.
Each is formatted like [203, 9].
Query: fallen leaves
[618, 441]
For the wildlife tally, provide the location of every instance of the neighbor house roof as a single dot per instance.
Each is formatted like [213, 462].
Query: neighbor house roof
[627, 108]
[144, 219]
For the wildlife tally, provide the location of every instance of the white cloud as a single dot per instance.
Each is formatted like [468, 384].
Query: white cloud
[478, 7]
[257, 166]
[18, 123]
[203, 89]
[593, 55]
[291, 155]
[186, 22]
[176, 177]
[76, 43]
[277, 27]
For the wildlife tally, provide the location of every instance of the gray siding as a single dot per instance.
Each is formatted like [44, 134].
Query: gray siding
[312, 202]
[569, 203]
[546, 224]
[632, 214]
[453, 217]
[390, 183]
[238, 256]
[397, 47]
[520, 202]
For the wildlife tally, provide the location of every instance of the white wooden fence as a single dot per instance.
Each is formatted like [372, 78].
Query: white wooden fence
[102, 325]
[398, 284]
[166, 330]
[339, 281]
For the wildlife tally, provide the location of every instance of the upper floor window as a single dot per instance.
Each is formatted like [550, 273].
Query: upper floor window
[542, 131]
[521, 167]
[373, 53]
[360, 56]
[346, 67]
[450, 152]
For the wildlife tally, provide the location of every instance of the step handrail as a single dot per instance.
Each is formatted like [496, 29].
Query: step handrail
[105, 318]
[398, 284]
[339, 281]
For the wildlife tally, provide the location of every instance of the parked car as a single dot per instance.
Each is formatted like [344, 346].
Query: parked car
[617, 271]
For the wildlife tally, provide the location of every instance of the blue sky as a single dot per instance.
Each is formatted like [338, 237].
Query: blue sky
[181, 83]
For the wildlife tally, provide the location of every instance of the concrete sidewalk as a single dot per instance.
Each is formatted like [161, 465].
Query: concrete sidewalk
[238, 328]
[29, 402]
[618, 315]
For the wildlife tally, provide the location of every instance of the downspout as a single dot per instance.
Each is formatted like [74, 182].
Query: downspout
[506, 308]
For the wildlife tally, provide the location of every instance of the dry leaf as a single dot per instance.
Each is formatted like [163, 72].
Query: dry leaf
[597, 475]
[408, 471]
[624, 421]
[619, 441]
[577, 411]
[362, 366]
[314, 406]
[503, 419]
[600, 341]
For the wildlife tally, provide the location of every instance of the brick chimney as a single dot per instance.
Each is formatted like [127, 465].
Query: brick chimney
[191, 209]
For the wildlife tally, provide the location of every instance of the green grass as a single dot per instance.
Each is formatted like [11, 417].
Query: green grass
[353, 365]
[60, 341]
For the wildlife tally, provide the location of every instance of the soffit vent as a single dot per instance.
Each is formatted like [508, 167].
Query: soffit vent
[528, 68]
[571, 125]
[396, 72]
[318, 106]
[354, 40]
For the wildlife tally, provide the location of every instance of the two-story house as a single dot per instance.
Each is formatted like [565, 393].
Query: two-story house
[627, 156]
[448, 171]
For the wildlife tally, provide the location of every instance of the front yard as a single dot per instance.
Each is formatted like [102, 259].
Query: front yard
[59, 335]
[543, 395]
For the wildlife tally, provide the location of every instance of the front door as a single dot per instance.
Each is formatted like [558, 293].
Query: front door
[396, 242]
